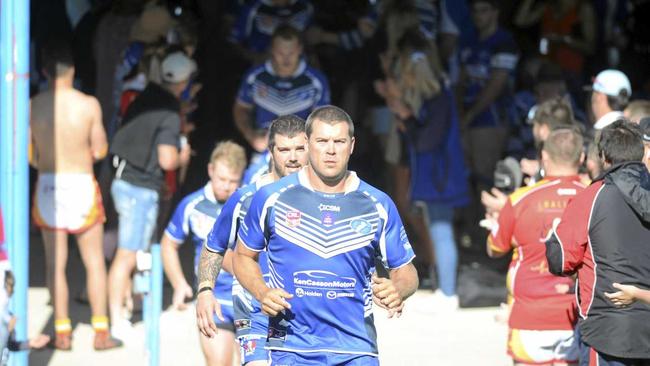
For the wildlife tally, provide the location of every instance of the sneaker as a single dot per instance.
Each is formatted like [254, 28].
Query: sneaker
[104, 341]
[444, 303]
[122, 329]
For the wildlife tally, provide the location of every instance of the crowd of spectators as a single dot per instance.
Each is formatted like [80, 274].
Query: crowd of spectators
[441, 92]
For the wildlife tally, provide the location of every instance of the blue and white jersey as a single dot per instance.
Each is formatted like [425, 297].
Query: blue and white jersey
[272, 96]
[322, 249]
[255, 24]
[195, 215]
[479, 58]
[257, 168]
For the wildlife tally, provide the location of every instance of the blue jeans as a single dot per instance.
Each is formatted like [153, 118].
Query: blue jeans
[444, 246]
[137, 209]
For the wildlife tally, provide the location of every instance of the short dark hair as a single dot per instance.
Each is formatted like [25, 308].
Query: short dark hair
[286, 32]
[56, 57]
[288, 125]
[618, 102]
[620, 142]
[329, 114]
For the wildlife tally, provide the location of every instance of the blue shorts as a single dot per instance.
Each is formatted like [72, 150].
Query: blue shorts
[281, 358]
[137, 209]
[251, 325]
[228, 316]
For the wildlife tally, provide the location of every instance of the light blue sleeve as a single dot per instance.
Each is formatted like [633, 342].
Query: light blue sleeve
[222, 235]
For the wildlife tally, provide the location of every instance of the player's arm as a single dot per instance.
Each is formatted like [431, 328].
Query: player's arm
[98, 142]
[249, 275]
[174, 271]
[206, 304]
[567, 241]
[243, 115]
[227, 261]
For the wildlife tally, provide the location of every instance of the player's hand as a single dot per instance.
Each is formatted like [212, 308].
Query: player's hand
[274, 301]
[206, 306]
[181, 293]
[624, 297]
[389, 298]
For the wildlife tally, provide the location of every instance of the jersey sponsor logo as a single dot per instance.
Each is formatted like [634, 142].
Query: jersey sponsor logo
[241, 324]
[361, 226]
[323, 280]
[332, 295]
[323, 207]
[567, 191]
[300, 292]
[292, 218]
[313, 283]
[328, 219]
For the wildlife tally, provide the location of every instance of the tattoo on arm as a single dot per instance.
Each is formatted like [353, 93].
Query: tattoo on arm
[209, 267]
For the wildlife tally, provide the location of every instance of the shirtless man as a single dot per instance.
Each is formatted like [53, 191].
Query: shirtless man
[67, 137]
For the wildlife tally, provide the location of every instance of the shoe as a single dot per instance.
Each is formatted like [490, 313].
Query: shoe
[122, 329]
[444, 303]
[61, 342]
[104, 341]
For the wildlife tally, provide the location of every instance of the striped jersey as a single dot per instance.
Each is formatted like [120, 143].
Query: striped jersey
[322, 249]
[195, 215]
[271, 95]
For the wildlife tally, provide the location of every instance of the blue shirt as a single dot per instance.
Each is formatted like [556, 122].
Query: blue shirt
[479, 58]
[272, 96]
[322, 249]
[195, 215]
[257, 168]
[255, 25]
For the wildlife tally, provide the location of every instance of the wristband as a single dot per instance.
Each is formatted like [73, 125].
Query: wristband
[205, 288]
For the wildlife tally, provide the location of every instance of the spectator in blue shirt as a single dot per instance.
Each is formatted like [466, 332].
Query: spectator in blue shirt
[283, 85]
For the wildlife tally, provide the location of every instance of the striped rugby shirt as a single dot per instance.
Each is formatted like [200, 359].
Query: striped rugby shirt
[322, 249]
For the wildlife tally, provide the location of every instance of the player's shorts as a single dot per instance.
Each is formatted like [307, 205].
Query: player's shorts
[543, 346]
[590, 357]
[67, 201]
[228, 314]
[282, 358]
[251, 325]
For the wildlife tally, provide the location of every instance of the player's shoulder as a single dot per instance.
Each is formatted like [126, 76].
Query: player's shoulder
[373, 193]
[193, 198]
[523, 193]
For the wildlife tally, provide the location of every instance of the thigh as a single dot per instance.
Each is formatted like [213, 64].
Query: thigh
[542, 346]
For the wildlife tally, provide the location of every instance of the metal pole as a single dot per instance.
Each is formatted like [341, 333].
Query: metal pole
[156, 305]
[14, 172]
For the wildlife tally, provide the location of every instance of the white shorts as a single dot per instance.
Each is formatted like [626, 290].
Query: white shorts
[542, 346]
[70, 202]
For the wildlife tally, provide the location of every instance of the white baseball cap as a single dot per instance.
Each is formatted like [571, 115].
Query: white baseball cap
[177, 67]
[612, 82]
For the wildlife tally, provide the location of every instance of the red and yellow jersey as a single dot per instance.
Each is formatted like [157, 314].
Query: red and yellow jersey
[539, 300]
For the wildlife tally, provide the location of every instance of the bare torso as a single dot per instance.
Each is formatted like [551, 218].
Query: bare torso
[67, 131]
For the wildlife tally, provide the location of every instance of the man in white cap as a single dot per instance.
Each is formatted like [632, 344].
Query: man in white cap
[610, 95]
[148, 142]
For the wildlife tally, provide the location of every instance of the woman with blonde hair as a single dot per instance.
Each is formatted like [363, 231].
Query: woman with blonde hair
[428, 122]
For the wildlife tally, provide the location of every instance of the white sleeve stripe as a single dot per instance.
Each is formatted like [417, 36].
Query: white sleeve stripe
[174, 238]
[233, 224]
[207, 247]
[504, 61]
[382, 239]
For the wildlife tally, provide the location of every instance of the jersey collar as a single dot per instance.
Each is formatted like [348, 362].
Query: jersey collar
[209, 193]
[352, 183]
